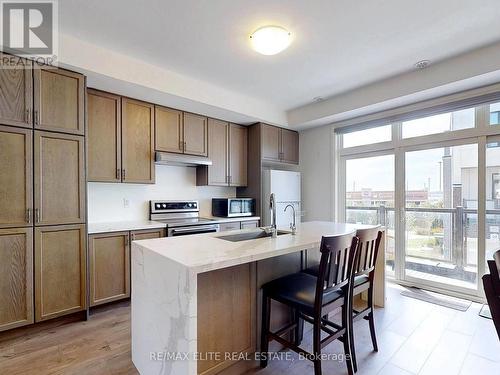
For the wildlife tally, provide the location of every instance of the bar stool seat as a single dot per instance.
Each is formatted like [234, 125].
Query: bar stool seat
[298, 290]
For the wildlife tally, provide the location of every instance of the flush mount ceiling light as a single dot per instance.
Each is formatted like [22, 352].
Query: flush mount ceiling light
[270, 40]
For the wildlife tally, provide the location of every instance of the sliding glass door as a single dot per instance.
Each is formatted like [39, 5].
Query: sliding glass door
[434, 183]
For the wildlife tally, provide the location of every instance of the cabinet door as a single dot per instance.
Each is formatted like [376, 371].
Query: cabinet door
[109, 257]
[249, 224]
[16, 181]
[59, 100]
[16, 277]
[59, 271]
[147, 234]
[224, 227]
[59, 179]
[270, 138]
[195, 134]
[104, 136]
[218, 152]
[16, 91]
[168, 130]
[289, 146]
[238, 146]
[137, 142]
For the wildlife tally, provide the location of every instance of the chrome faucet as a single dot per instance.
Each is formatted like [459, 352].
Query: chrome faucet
[272, 207]
[293, 227]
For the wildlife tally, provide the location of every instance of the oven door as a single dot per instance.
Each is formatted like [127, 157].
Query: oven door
[195, 229]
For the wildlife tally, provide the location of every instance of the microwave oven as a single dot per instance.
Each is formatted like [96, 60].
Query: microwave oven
[233, 207]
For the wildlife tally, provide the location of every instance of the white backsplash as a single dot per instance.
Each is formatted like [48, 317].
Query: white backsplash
[106, 202]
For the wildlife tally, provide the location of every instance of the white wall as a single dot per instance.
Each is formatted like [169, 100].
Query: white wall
[316, 165]
[106, 201]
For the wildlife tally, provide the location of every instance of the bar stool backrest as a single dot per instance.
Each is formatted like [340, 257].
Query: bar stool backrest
[336, 264]
[369, 243]
[494, 266]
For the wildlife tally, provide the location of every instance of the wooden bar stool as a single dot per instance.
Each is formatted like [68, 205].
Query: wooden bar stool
[312, 298]
[364, 273]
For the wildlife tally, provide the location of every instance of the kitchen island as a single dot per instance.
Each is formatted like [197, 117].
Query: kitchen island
[195, 299]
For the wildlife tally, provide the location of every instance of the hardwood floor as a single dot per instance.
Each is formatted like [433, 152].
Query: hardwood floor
[415, 337]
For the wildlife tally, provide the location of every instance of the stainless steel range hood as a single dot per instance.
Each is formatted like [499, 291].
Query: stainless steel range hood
[167, 158]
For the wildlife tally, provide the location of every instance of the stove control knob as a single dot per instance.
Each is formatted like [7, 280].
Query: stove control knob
[164, 205]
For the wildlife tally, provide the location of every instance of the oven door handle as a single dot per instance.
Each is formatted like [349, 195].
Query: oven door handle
[203, 228]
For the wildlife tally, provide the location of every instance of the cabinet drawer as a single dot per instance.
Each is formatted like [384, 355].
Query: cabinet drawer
[235, 225]
[249, 224]
[148, 234]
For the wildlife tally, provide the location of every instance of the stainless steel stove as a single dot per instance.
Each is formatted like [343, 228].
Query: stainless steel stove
[182, 217]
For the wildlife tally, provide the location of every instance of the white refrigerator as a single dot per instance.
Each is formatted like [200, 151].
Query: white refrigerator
[286, 186]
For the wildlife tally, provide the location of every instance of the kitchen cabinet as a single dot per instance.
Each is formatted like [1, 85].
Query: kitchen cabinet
[60, 264]
[16, 91]
[109, 257]
[168, 130]
[249, 224]
[195, 128]
[59, 179]
[228, 150]
[147, 234]
[16, 277]
[104, 136]
[233, 225]
[16, 178]
[279, 145]
[137, 142]
[59, 103]
[238, 153]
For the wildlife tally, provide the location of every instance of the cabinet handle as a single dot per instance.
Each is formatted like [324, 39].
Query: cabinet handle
[126, 240]
[123, 174]
[118, 173]
[28, 116]
[37, 215]
[28, 215]
[36, 117]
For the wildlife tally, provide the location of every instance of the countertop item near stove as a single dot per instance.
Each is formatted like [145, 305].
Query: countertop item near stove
[119, 226]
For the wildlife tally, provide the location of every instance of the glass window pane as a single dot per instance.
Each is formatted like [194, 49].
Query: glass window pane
[367, 136]
[495, 114]
[445, 122]
[492, 199]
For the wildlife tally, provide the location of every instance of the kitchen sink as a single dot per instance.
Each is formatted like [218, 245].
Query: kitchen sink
[250, 235]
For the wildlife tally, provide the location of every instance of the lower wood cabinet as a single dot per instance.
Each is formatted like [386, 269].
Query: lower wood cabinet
[224, 227]
[109, 257]
[226, 316]
[147, 234]
[60, 270]
[16, 277]
[249, 224]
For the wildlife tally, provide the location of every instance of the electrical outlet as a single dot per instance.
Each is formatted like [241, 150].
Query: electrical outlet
[126, 203]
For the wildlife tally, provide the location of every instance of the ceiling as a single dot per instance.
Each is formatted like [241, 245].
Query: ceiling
[339, 45]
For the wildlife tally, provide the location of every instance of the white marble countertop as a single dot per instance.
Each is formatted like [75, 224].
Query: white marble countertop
[119, 226]
[206, 252]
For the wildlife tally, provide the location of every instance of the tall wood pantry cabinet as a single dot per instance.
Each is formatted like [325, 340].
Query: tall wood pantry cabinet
[42, 193]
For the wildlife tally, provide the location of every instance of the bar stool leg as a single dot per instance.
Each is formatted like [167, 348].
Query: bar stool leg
[351, 337]
[264, 335]
[299, 329]
[371, 319]
[317, 345]
[346, 338]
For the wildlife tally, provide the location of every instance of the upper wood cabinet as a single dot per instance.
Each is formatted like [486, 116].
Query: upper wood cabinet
[59, 179]
[227, 148]
[16, 277]
[168, 130]
[138, 128]
[16, 91]
[16, 177]
[59, 100]
[104, 136]
[238, 154]
[195, 134]
[60, 264]
[109, 257]
[279, 145]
